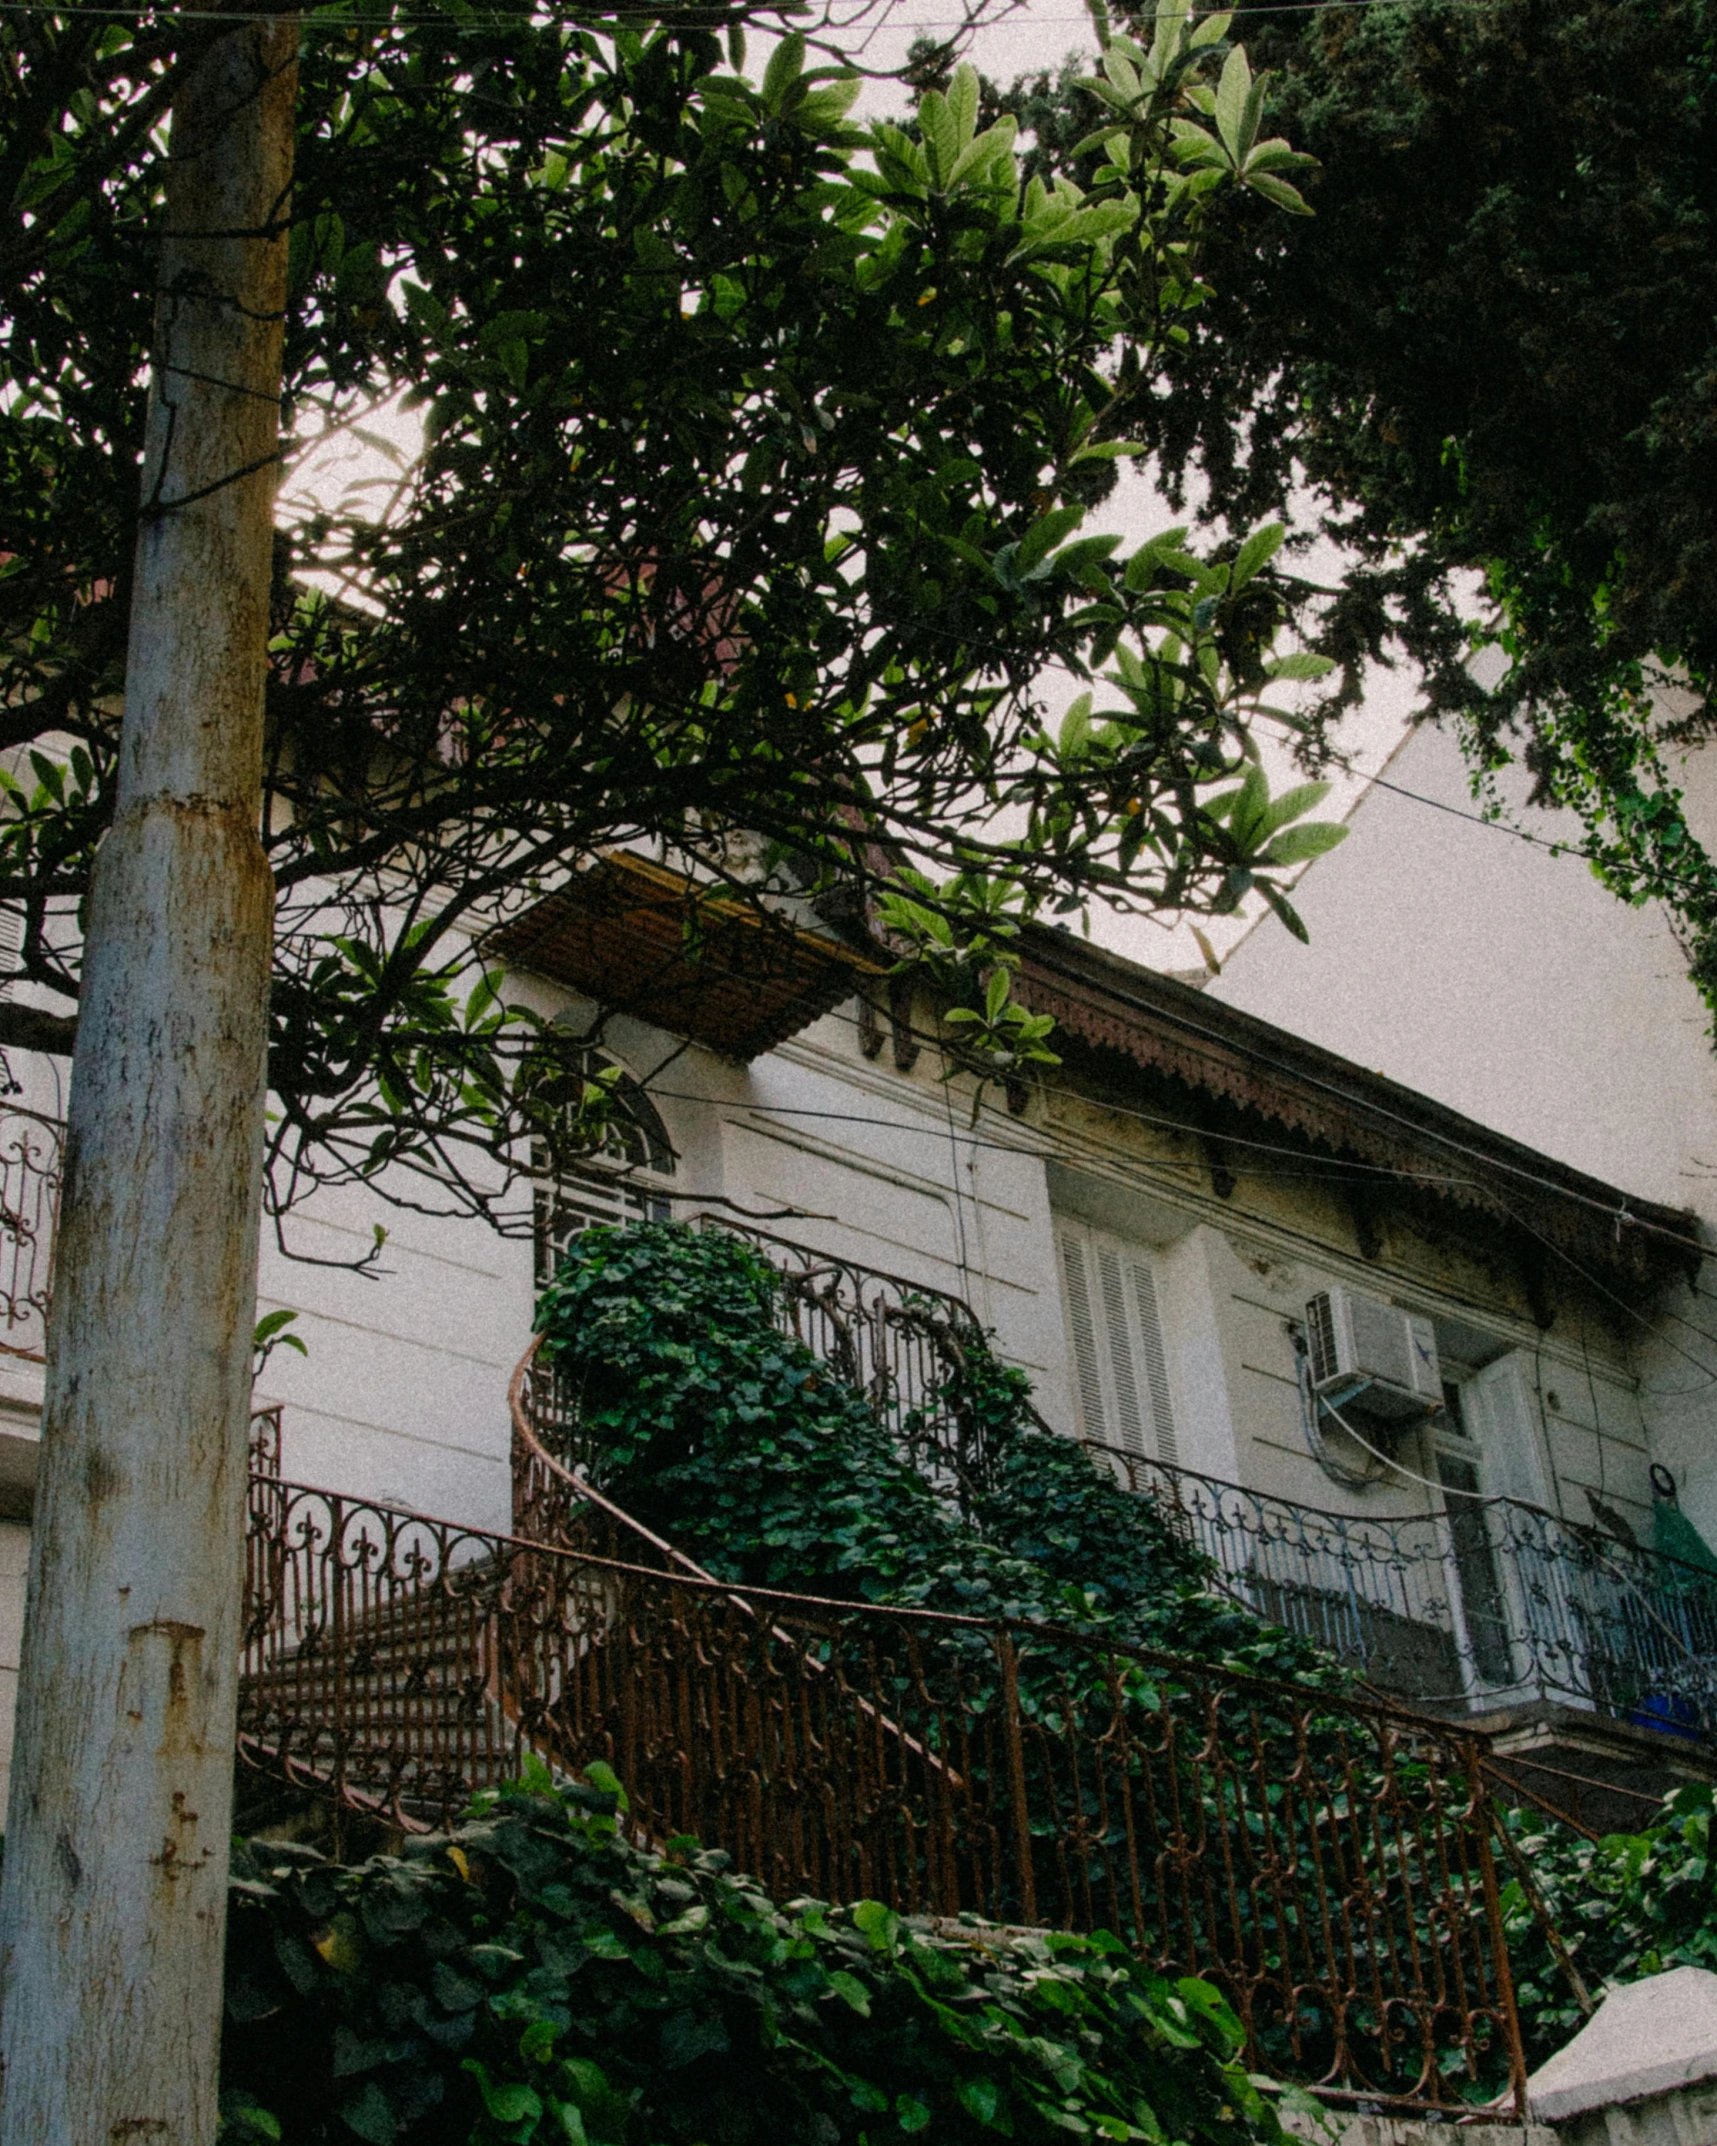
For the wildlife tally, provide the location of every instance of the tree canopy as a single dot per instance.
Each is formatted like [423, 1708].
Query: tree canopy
[1490, 354]
[748, 518]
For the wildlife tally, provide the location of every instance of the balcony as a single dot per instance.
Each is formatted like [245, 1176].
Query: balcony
[1594, 1660]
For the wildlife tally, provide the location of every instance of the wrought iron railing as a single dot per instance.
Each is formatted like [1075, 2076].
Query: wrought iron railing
[899, 1343]
[1326, 1863]
[1488, 1604]
[32, 1165]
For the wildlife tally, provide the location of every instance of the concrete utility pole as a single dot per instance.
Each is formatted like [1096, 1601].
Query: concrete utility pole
[113, 1908]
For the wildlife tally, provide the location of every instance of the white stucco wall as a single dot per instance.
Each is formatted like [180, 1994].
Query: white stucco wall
[1500, 979]
[1505, 981]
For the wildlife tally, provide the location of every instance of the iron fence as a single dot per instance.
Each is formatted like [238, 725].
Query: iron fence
[898, 1343]
[1325, 1863]
[32, 1166]
[1483, 1606]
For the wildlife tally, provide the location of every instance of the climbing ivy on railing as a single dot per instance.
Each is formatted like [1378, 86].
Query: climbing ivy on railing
[739, 1445]
[532, 1977]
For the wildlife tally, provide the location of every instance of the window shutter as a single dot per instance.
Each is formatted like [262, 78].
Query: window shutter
[1130, 1422]
[1082, 1332]
[1155, 1364]
[1114, 1334]
[11, 944]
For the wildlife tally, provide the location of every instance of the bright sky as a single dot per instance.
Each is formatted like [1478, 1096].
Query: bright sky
[1035, 35]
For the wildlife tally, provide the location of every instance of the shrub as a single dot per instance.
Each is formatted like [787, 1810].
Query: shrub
[1629, 1905]
[533, 1977]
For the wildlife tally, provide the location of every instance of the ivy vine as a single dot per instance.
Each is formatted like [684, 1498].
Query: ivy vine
[737, 1443]
[532, 1977]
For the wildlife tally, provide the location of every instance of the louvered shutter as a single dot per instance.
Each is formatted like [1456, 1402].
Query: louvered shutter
[1128, 1422]
[11, 944]
[1114, 1333]
[1154, 1362]
[1082, 1335]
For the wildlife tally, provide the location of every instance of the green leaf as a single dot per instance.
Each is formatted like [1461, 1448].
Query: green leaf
[1281, 193]
[601, 1775]
[786, 65]
[370, 2114]
[911, 2114]
[1304, 797]
[1296, 844]
[941, 136]
[990, 147]
[509, 2102]
[963, 108]
[1233, 95]
[1075, 727]
[879, 1924]
[1108, 451]
[1285, 909]
[1257, 551]
[1043, 536]
[980, 2098]
[1300, 664]
[852, 1990]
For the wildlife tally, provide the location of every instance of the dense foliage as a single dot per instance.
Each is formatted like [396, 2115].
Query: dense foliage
[1632, 1904]
[532, 1977]
[735, 1442]
[1492, 349]
[747, 516]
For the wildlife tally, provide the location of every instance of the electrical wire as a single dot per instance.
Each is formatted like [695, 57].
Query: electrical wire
[1633, 1312]
[1622, 1215]
[679, 17]
[1449, 1490]
[1556, 848]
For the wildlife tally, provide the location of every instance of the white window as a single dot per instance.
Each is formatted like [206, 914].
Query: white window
[1114, 1335]
[618, 1181]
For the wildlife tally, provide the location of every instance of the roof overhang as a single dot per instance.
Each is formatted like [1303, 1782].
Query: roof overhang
[1216, 1051]
[640, 939]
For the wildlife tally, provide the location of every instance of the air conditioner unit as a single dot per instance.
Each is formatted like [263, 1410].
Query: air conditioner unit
[1379, 1358]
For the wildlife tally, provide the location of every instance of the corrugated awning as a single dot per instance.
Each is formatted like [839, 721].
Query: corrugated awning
[640, 939]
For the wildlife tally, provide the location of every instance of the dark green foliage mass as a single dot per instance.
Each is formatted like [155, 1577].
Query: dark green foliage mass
[533, 1978]
[1488, 363]
[741, 1447]
[1630, 1905]
[746, 516]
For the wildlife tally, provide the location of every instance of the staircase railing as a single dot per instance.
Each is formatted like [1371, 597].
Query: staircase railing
[1474, 1610]
[1324, 1862]
[901, 1344]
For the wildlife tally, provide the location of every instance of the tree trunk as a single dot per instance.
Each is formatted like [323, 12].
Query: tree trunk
[113, 1908]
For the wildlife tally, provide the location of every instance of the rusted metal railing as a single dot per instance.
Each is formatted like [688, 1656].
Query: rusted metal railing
[1325, 1863]
[32, 1165]
[901, 1344]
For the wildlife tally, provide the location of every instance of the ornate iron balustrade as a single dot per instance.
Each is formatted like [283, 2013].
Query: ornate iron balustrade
[1326, 1863]
[896, 1342]
[1488, 1605]
[32, 1165]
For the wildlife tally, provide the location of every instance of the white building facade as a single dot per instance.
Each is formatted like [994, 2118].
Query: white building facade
[1147, 1232]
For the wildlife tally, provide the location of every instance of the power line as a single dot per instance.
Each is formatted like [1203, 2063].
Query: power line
[595, 18]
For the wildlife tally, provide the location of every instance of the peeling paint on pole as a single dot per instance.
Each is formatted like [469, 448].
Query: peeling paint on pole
[112, 1911]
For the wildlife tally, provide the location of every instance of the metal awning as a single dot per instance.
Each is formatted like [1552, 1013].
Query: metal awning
[641, 939]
